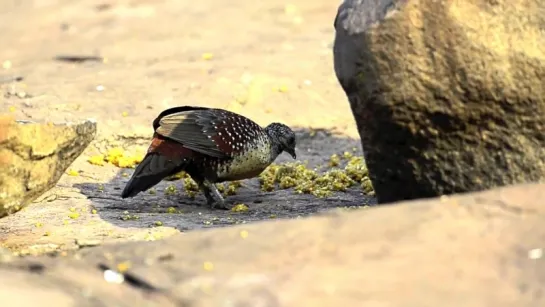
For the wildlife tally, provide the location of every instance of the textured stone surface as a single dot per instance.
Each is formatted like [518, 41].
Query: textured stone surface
[34, 156]
[448, 96]
[103, 217]
[481, 249]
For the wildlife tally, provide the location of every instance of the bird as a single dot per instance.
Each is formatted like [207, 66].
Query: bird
[211, 145]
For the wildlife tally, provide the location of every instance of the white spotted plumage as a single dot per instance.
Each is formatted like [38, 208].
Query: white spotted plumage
[253, 152]
[238, 148]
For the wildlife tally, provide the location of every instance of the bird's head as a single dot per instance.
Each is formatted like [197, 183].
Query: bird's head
[283, 138]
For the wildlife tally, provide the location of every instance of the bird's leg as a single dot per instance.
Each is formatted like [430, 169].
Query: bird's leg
[213, 196]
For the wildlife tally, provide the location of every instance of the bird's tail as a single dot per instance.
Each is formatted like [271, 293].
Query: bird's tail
[154, 168]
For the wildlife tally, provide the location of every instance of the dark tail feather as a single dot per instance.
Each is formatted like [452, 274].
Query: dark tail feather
[154, 168]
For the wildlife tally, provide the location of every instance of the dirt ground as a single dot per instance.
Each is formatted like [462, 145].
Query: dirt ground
[268, 60]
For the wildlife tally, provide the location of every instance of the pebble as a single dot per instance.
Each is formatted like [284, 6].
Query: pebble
[87, 243]
[113, 277]
[535, 253]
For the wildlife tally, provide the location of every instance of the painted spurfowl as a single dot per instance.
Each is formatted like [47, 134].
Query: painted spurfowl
[212, 146]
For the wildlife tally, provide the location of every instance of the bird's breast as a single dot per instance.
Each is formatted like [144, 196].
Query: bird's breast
[249, 163]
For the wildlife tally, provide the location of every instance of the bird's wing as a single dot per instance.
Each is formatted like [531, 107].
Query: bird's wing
[214, 132]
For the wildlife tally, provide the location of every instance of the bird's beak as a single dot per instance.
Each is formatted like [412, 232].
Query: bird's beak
[291, 151]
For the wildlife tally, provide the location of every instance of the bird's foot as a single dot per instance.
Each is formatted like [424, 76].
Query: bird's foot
[213, 196]
[219, 204]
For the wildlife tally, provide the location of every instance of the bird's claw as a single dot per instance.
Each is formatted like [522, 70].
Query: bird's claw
[218, 204]
[213, 197]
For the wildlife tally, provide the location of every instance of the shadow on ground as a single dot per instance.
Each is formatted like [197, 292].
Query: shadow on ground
[183, 213]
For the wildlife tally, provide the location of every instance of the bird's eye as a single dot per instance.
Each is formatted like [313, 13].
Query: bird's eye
[291, 141]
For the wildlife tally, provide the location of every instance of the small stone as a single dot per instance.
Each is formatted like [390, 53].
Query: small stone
[113, 277]
[87, 243]
[536, 253]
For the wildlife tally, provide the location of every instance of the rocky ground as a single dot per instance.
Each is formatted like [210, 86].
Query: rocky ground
[270, 61]
[482, 249]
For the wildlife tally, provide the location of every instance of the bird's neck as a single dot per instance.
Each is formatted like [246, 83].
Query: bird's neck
[276, 148]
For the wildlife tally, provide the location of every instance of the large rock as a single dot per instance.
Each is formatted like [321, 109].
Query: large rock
[482, 249]
[33, 156]
[449, 96]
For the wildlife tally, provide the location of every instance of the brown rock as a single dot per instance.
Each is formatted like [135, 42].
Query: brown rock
[481, 249]
[448, 95]
[34, 156]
